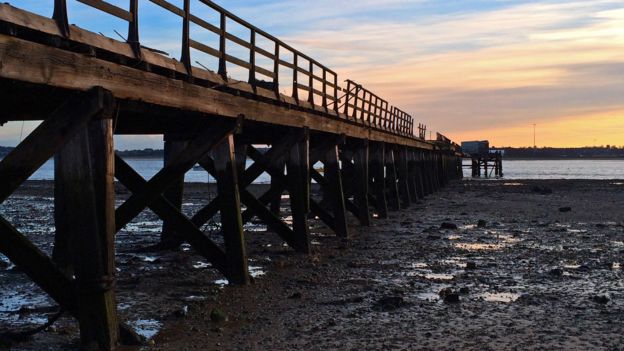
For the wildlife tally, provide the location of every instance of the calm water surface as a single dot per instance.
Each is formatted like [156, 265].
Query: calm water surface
[146, 167]
[512, 169]
[560, 169]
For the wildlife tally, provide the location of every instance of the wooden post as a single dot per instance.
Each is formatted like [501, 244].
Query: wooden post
[360, 158]
[170, 239]
[86, 171]
[299, 191]
[394, 202]
[61, 253]
[277, 166]
[404, 188]
[335, 192]
[231, 220]
[378, 173]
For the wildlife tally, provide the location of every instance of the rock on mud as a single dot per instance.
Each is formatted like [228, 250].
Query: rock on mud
[389, 303]
[217, 315]
[448, 225]
[449, 295]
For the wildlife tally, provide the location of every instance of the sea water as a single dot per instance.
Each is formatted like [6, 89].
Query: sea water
[559, 169]
[512, 169]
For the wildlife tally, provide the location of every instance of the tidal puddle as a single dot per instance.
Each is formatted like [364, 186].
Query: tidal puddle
[146, 226]
[147, 328]
[478, 246]
[513, 184]
[499, 297]
[439, 276]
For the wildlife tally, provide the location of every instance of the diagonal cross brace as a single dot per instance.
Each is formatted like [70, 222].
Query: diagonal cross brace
[166, 211]
[199, 146]
[251, 174]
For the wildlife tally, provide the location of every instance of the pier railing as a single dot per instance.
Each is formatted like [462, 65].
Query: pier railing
[310, 81]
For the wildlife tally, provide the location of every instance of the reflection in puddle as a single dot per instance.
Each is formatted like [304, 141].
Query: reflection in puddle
[147, 328]
[500, 297]
[572, 266]
[439, 276]
[254, 272]
[513, 184]
[454, 237]
[433, 276]
[10, 306]
[201, 265]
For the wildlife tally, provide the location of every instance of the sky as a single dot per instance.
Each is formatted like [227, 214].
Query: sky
[483, 69]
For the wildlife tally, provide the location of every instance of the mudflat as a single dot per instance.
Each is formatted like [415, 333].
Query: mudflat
[483, 265]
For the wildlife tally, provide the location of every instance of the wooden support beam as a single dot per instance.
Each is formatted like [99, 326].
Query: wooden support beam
[170, 239]
[411, 179]
[415, 174]
[336, 194]
[271, 220]
[298, 170]
[402, 176]
[378, 157]
[361, 158]
[201, 144]
[276, 167]
[37, 266]
[394, 202]
[49, 137]
[246, 178]
[86, 170]
[231, 221]
[200, 242]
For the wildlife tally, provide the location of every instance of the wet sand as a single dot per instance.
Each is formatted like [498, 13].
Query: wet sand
[532, 275]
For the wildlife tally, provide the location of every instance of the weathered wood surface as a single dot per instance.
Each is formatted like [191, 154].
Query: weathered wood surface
[49, 137]
[231, 221]
[86, 164]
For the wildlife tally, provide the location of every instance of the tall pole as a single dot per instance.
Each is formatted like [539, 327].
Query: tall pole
[534, 144]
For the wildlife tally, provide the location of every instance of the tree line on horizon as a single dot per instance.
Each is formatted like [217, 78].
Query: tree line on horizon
[607, 151]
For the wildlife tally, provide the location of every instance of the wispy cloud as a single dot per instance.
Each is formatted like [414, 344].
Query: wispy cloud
[459, 66]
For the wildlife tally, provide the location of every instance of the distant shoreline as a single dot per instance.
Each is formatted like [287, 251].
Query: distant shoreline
[563, 158]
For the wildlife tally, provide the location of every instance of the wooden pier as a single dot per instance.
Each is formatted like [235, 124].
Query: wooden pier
[491, 164]
[87, 87]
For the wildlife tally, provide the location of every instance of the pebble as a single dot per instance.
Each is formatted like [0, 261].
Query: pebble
[565, 209]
